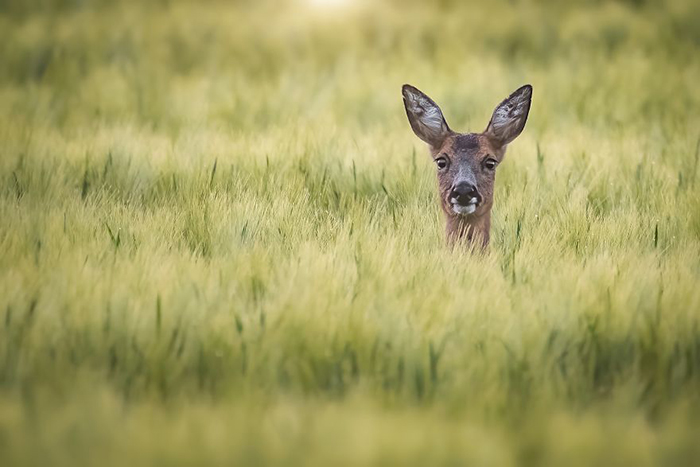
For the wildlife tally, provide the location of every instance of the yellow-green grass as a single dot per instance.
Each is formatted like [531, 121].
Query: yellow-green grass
[220, 241]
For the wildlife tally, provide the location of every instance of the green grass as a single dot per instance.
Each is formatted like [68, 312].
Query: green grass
[220, 242]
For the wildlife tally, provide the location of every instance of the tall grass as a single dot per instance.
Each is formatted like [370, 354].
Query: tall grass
[221, 243]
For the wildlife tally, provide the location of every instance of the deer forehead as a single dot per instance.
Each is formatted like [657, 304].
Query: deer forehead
[470, 146]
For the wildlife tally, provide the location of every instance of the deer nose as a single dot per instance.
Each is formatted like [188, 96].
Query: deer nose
[464, 192]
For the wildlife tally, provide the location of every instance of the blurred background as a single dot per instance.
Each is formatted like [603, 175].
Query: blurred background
[255, 65]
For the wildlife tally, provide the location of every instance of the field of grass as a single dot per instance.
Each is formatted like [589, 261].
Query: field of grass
[220, 242]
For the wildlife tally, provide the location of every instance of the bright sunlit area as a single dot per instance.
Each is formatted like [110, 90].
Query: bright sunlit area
[329, 3]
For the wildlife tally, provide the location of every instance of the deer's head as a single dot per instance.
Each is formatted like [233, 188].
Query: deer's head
[466, 163]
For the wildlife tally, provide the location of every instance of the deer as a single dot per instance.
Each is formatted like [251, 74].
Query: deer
[466, 162]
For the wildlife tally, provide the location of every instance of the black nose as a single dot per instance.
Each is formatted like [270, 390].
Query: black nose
[463, 192]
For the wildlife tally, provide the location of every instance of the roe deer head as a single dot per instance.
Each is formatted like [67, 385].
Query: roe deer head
[466, 162]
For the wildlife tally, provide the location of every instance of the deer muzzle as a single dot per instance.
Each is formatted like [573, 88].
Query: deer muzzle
[464, 198]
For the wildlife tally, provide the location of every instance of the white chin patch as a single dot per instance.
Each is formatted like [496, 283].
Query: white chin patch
[464, 210]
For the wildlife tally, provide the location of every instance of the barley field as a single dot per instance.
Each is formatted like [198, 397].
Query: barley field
[221, 243]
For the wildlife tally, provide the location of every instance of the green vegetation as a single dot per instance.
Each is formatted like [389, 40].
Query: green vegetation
[220, 242]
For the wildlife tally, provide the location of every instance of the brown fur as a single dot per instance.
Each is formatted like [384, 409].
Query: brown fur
[471, 149]
[467, 156]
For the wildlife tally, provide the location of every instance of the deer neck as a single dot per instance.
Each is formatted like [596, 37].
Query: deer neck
[474, 230]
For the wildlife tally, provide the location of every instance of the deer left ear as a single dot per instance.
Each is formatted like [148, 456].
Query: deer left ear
[425, 117]
[509, 118]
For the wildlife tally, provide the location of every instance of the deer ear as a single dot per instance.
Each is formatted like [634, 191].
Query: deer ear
[425, 116]
[509, 118]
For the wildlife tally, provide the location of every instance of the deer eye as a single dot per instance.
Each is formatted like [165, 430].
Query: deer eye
[441, 162]
[490, 163]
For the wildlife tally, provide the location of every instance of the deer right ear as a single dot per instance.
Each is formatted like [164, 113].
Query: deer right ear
[509, 118]
[425, 116]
